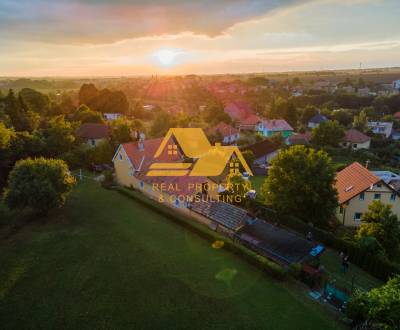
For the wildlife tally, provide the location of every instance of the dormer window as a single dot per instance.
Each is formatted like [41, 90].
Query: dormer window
[172, 149]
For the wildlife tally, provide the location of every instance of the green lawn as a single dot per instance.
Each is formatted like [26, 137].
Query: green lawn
[256, 183]
[104, 262]
[354, 277]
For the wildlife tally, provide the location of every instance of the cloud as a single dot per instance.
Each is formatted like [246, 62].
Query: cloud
[100, 21]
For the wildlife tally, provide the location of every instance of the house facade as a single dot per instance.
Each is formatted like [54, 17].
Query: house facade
[93, 134]
[229, 134]
[357, 188]
[382, 128]
[110, 116]
[316, 121]
[355, 140]
[271, 127]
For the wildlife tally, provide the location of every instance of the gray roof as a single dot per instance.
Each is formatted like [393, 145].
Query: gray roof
[225, 214]
[317, 119]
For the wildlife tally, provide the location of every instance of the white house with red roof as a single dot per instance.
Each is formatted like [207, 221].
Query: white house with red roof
[274, 126]
[357, 188]
[228, 133]
[355, 140]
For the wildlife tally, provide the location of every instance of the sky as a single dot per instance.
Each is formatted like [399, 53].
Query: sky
[130, 37]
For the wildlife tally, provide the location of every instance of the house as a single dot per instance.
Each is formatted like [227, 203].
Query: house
[380, 127]
[316, 120]
[249, 123]
[274, 126]
[357, 187]
[299, 139]
[263, 151]
[229, 134]
[365, 91]
[93, 134]
[396, 115]
[396, 84]
[132, 161]
[395, 135]
[238, 110]
[355, 140]
[112, 116]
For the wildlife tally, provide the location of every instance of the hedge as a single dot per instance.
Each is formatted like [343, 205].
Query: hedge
[376, 266]
[192, 224]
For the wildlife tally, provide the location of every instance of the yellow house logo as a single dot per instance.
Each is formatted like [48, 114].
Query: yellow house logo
[206, 159]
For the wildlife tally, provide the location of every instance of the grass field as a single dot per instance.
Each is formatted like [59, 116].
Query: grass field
[104, 262]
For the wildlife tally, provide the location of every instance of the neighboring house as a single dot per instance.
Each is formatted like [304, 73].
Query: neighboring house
[264, 151]
[228, 133]
[363, 91]
[112, 116]
[397, 115]
[396, 84]
[316, 120]
[238, 110]
[249, 123]
[355, 140]
[93, 134]
[357, 187]
[301, 138]
[149, 107]
[380, 127]
[274, 126]
[395, 135]
[348, 89]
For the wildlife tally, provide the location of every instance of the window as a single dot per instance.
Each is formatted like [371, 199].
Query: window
[392, 197]
[120, 157]
[377, 196]
[379, 185]
[362, 196]
[355, 145]
[93, 142]
[172, 149]
[341, 210]
[357, 216]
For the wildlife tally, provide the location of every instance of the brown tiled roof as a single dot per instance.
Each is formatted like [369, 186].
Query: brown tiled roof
[93, 131]
[262, 148]
[224, 129]
[303, 138]
[353, 180]
[354, 136]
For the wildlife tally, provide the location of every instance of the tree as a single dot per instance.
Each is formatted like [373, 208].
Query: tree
[121, 131]
[343, 116]
[379, 222]
[249, 157]
[360, 121]
[6, 136]
[161, 124]
[379, 308]
[40, 184]
[237, 187]
[85, 115]
[35, 101]
[301, 182]
[328, 133]
[308, 112]
[58, 136]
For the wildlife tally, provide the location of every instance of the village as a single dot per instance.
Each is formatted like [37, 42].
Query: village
[299, 177]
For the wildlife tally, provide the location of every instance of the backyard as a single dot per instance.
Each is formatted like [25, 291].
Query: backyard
[105, 261]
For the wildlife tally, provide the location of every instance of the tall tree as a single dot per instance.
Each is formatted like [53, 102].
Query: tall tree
[328, 133]
[300, 182]
[40, 184]
[360, 121]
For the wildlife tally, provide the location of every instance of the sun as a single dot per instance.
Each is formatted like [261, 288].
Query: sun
[166, 57]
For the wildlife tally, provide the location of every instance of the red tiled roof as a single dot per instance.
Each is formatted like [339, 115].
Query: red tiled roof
[224, 129]
[277, 125]
[142, 159]
[238, 110]
[397, 115]
[250, 120]
[93, 131]
[354, 136]
[353, 180]
[300, 138]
